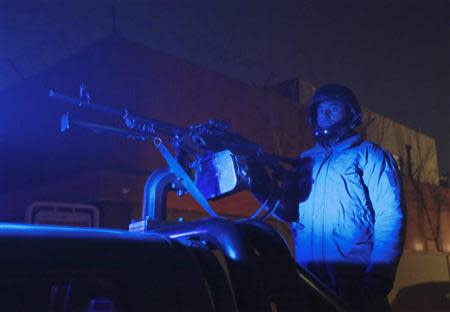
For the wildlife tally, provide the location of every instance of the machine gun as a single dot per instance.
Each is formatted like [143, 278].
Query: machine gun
[210, 162]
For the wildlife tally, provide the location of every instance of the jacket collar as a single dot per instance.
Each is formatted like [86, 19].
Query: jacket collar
[347, 143]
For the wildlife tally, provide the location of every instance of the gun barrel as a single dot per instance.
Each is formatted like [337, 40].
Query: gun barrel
[138, 123]
[67, 122]
[87, 104]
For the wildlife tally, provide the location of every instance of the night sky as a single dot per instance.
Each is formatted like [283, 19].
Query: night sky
[394, 54]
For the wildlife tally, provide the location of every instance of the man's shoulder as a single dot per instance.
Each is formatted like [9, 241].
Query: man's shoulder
[373, 147]
[374, 151]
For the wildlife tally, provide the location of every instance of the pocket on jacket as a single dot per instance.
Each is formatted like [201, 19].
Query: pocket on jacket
[354, 240]
[354, 187]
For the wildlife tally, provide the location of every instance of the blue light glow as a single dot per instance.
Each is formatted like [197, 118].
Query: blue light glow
[230, 252]
[191, 233]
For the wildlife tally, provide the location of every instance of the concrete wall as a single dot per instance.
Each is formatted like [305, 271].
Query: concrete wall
[395, 137]
[422, 282]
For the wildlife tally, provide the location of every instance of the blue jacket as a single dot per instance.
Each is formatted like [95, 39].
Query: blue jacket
[351, 221]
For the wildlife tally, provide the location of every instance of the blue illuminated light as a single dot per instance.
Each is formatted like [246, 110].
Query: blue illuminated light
[41, 231]
[191, 233]
[230, 252]
[233, 249]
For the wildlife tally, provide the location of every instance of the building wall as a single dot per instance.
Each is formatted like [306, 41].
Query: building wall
[396, 137]
[422, 282]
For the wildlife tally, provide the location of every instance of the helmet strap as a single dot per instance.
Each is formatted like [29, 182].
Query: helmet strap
[334, 134]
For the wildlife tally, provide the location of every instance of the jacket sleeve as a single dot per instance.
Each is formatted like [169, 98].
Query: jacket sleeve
[383, 184]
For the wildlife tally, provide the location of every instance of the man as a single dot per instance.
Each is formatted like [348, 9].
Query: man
[349, 226]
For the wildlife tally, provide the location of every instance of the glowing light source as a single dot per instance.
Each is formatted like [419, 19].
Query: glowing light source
[418, 245]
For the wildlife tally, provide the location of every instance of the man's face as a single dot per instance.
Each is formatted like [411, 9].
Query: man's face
[330, 113]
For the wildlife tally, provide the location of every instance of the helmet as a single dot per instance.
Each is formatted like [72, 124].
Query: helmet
[341, 94]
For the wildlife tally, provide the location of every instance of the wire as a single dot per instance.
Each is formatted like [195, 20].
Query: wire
[260, 209]
[271, 211]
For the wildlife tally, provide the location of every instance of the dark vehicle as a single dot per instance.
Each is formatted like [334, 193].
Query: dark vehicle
[205, 265]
